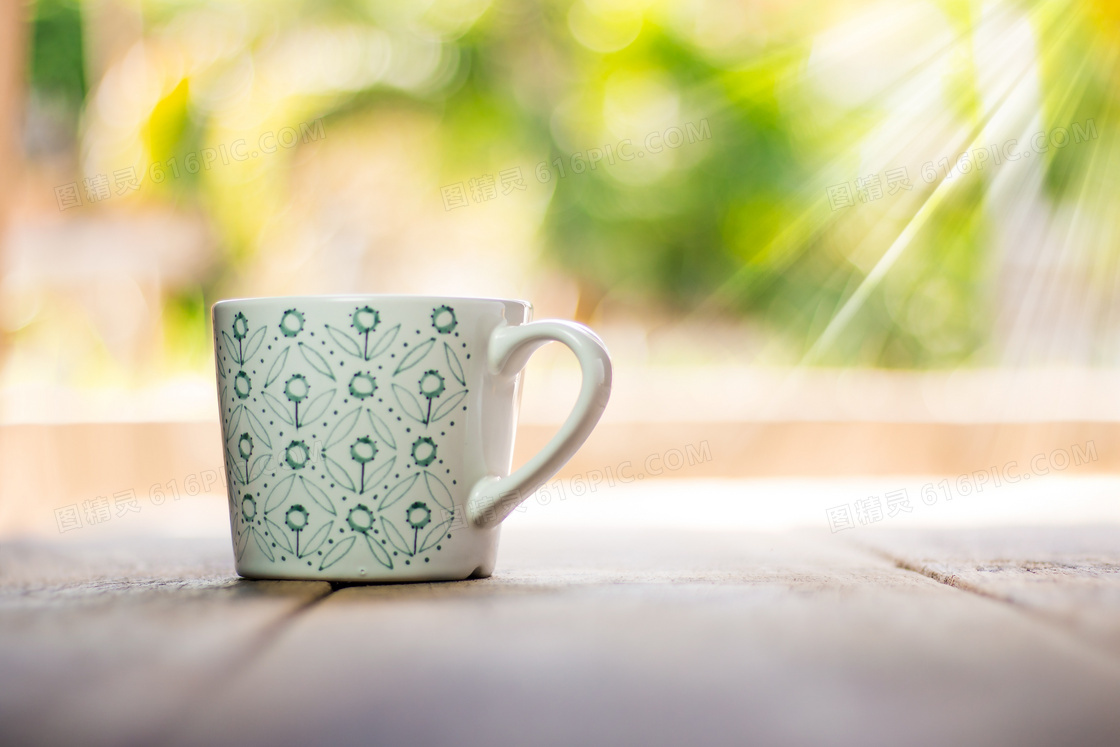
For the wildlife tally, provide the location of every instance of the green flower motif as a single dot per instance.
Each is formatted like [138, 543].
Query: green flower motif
[366, 319]
[418, 515]
[296, 517]
[431, 384]
[291, 324]
[248, 507]
[362, 385]
[363, 450]
[240, 326]
[297, 388]
[242, 385]
[245, 445]
[424, 451]
[296, 455]
[443, 319]
[360, 518]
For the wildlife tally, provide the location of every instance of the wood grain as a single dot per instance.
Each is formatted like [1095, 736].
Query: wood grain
[660, 637]
[651, 636]
[1068, 576]
[109, 644]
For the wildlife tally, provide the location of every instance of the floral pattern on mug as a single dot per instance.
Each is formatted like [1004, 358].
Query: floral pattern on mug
[334, 428]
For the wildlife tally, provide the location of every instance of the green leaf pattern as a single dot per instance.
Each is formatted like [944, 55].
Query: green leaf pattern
[277, 367]
[415, 355]
[315, 359]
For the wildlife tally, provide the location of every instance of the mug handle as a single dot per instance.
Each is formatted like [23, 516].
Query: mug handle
[493, 498]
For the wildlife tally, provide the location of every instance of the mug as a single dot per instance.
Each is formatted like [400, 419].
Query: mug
[370, 437]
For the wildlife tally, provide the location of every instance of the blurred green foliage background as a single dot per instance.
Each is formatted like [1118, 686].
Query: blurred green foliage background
[738, 225]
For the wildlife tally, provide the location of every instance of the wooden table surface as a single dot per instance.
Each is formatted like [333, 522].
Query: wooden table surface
[647, 636]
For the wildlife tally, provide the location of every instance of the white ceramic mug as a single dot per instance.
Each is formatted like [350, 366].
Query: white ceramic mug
[370, 438]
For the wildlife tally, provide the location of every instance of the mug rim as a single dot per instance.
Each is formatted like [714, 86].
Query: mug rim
[381, 297]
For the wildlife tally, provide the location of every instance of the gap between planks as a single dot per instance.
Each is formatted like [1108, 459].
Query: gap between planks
[268, 634]
[1029, 611]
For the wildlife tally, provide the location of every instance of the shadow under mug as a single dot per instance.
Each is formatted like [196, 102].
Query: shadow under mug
[370, 438]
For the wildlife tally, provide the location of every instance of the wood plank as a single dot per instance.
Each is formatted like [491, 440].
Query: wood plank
[107, 644]
[1069, 576]
[662, 637]
[39, 569]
